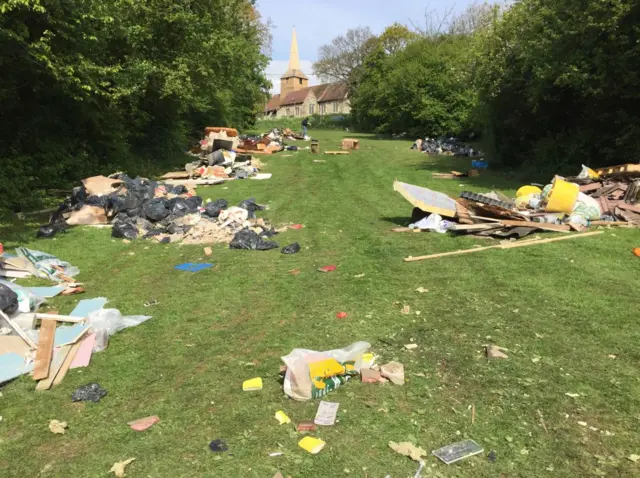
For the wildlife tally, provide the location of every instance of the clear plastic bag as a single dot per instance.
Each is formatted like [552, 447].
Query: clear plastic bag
[312, 374]
[27, 300]
[106, 322]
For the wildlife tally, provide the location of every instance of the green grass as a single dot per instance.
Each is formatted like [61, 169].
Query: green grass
[561, 309]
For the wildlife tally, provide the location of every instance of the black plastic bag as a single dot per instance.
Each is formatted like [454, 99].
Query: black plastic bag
[8, 300]
[51, 229]
[194, 202]
[179, 189]
[101, 201]
[248, 239]
[156, 209]
[78, 195]
[215, 158]
[91, 392]
[179, 207]
[125, 230]
[213, 208]
[291, 249]
[251, 206]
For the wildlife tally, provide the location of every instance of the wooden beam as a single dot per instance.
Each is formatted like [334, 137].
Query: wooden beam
[67, 363]
[45, 349]
[56, 364]
[538, 225]
[476, 227]
[532, 242]
[60, 318]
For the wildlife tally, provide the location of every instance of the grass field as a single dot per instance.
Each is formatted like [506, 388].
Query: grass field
[567, 312]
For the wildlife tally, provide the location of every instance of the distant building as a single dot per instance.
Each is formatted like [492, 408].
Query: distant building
[297, 98]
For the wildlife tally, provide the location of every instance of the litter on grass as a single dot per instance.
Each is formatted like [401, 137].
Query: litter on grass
[118, 468]
[57, 427]
[252, 385]
[312, 445]
[143, 424]
[458, 451]
[408, 449]
[282, 417]
[326, 414]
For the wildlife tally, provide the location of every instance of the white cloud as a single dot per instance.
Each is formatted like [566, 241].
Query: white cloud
[277, 68]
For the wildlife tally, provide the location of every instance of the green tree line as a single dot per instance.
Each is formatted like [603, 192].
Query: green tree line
[548, 84]
[93, 86]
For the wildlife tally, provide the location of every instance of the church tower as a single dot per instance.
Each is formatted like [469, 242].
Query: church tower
[293, 79]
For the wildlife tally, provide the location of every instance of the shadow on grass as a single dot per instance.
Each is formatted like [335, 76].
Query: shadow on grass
[14, 233]
[398, 221]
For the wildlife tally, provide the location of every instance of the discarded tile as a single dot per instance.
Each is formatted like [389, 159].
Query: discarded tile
[282, 417]
[118, 468]
[143, 424]
[218, 446]
[252, 385]
[306, 426]
[493, 351]
[57, 427]
[327, 269]
[394, 371]
[312, 445]
[341, 315]
[408, 449]
[326, 414]
[458, 451]
[192, 267]
[411, 346]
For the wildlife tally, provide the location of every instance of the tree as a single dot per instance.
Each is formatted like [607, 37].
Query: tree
[342, 59]
[476, 17]
[395, 38]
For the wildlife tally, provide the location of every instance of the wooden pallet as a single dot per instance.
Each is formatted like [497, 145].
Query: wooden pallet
[621, 170]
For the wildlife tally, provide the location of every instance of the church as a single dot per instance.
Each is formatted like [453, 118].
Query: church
[297, 98]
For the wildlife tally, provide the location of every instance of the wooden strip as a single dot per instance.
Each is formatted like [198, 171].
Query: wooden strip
[590, 187]
[19, 331]
[610, 223]
[482, 218]
[67, 363]
[45, 349]
[55, 368]
[532, 242]
[463, 214]
[538, 225]
[335, 153]
[60, 318]
[476, 227]
[629, 207]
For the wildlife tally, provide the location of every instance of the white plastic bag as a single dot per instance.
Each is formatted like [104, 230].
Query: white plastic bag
[27, 300]
[106, 322]
[340, 365]
[433, 222]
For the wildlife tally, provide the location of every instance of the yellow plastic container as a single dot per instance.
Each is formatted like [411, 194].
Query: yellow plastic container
[527, 190]
[562, 197]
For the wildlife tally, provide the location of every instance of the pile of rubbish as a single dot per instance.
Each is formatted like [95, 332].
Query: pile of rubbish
[38, 343]
[607, 196]
[140, 208]
[444, 146]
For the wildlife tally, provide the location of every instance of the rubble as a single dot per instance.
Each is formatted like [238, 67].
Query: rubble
[604, 197]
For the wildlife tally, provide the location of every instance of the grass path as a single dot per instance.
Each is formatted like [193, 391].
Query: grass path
[561, 310]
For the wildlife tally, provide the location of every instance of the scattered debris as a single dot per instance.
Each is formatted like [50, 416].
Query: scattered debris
[218, 446]
[368, 375]
[118, 468]
[411, 346]
[492, 456]
[143, 424]
[294, 272]
[341, 315]
[312, 445]
[406, 310]
[493, 351]
[91, 392]
[208, 251]
[282, 417]
[291, 249]
[394, 371]
[312, 374]
[327, 269]
[572, 395]
[58, 427]
[296, 226]
[422, 290]
[633, 458]
[326, 414]
[583, 424]
[458, 451]
[193, 267]
[252, 385]
[408, 449]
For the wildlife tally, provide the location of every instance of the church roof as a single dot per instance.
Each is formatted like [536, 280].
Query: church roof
[323, 93]
[273, 103]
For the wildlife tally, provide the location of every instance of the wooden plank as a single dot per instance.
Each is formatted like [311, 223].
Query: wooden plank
[18, 331]
[610, 223]
[483, 218]
[336, 153]
[176, 175]
[476, 227]
[586, 188]
[57, 362]
[64, 368]
[539, 225]
[60, 318]
[622, 170]
[45, 349]
[629, 207]
[463, 214]
[532, 242]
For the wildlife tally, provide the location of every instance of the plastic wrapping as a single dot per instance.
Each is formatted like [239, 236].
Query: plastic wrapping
[214, 208]
[47, 265]
[156, 209]
[106, 322]
[124, 230]
[248, 239]
[8, 299]
[27, 300]
[312, 374]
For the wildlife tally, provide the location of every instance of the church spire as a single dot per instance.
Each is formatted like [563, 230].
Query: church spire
[294, 55]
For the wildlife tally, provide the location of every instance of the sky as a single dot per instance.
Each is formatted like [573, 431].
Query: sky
[318, 22]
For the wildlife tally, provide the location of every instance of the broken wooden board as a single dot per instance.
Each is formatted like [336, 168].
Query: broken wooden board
[463, 213]
[18, 331]
[475, 227]
[13, 344]
[56, 364]
[531, 242]
[443, 176]
[66, 364]
[621, 170]
[538, 225]
[45, 349]
[100, 185]
[586, 188]
[628, 207]
[336, 153]
[497, 212]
